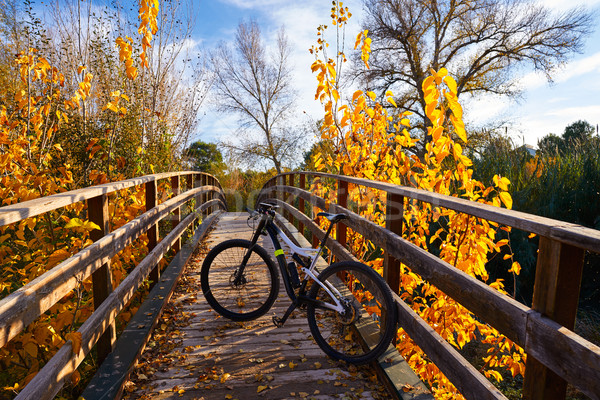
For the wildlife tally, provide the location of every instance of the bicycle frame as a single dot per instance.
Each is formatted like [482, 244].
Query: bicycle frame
[266, 224]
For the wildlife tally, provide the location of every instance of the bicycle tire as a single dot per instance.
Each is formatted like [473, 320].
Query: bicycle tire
[336, 334]
[259, 288]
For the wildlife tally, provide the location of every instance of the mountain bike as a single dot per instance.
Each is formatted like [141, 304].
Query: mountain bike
[349, 307]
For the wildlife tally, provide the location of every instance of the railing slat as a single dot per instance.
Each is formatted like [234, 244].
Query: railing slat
[394, 216]
[556, 295]
[102, 278]
[301, 185]
[152, 232]
[342, 200]
[177, 212]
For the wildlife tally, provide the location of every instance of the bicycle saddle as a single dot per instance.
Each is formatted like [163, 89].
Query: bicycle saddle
[333, 218]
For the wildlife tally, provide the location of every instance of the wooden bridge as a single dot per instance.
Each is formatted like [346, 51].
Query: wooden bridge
[556, 355]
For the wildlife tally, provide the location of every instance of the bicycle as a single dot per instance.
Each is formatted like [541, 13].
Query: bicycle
[240, 281]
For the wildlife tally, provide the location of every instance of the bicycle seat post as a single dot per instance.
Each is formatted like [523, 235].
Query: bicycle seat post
[333, 219]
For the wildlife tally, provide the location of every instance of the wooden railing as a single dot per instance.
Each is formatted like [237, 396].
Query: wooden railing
[555, 354]
[23, 306]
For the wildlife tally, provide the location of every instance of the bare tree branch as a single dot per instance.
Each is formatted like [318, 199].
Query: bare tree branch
[482, 43]
[257, 87]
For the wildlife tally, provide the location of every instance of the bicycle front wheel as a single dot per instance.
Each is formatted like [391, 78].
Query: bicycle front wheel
[364, 330]
[240, 294]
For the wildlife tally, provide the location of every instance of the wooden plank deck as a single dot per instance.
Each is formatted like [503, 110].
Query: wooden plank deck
[196, 354]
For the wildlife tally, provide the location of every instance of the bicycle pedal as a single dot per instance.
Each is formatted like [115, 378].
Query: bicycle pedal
[278, 321]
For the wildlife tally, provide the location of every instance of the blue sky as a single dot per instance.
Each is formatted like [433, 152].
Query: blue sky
[544, 108]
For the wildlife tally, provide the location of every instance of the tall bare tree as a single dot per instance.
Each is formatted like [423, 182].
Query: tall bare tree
[256, 85]
[483, 43]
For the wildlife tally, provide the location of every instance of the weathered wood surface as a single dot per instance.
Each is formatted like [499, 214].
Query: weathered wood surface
[207, 356]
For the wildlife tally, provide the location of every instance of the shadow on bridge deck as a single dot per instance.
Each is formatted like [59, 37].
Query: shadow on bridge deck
[196, 354]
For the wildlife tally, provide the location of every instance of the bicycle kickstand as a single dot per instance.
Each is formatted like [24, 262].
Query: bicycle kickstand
[280, 321]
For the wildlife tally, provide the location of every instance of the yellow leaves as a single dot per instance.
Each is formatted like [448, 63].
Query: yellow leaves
[113, 105]
[224, 377]
[515, 268]
[148, 13]
[125, 55]
[15, 387]
[57, 256]
[459, 128]
[501, 182]
[75, 338]
[365, 46]
[493, 374]
[32, 349]
[81, 226]
[331, 70]
[261, 388]
[451, 83]
[506, 199]
[315, 66]
[436, 133]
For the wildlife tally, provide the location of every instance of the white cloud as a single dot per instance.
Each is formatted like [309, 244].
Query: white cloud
[574, 69]
[576, 113]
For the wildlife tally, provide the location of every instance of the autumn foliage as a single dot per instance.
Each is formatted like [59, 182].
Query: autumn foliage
[42, 109]
[369, 143]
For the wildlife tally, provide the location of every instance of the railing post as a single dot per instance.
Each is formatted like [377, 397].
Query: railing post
[556, 295]
[314, 238]
[342, 200]
[394, 215]
[151, 189]
[203, 196]
[212, 195]
[189, 185]
[279, 195]
[290, 197]
[176, 212]
[301, 185]
[197, 198]
[101, 278]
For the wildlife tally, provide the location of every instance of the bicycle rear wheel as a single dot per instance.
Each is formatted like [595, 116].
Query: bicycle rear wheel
[235, 295]
[366, 327]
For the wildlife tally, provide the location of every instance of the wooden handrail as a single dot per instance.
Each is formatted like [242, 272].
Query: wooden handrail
[576, 235]
[30, 208]
[26, 304]
[546, 336]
